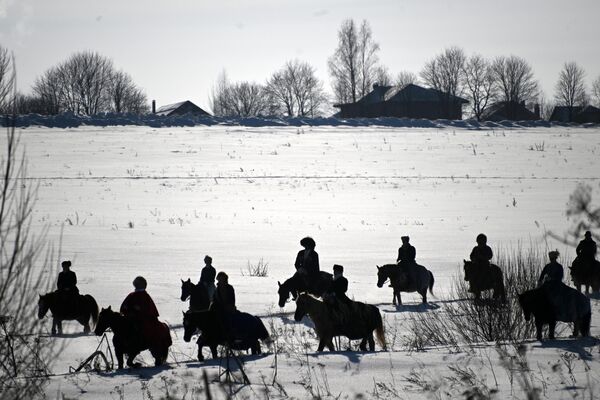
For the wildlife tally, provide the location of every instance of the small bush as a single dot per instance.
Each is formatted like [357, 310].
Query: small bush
[260, 269]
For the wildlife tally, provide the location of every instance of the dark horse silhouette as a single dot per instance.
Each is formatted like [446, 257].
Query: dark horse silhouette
[485, 278]
[586, 275]
[566, 304]
[127, 338]
[399, 280]
[66, 307]
[197, 294]
[238, 330]
[297, 284]
[360, 322]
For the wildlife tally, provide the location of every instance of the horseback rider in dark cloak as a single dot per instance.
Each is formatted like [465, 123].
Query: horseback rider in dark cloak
[586, 253]
[335, 295]
[224, 298]
[67, 285]
[307, 262]
[552, 272]
[140, 308]
[482, 253]
[207, 277]
[406, 259]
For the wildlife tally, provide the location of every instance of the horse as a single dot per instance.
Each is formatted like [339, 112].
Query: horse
[557, 302]
[586, 275]
[482, 278]
[198, 295]
[361, 321]
[297, 284]
[399, 279]
[127, 338]
[78, 307]
[239, 330]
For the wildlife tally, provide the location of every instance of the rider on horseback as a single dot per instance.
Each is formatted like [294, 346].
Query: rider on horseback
[307, 262]
[586, 253]
[207, 277]
[406, 259]
[224, 298]
[552, 271]
[140, 308]
[482, 253]
[67, 286]
[339, 286]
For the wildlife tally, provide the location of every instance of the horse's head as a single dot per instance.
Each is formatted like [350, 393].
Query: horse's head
[468, 267]
[43, 306]
[104, 320]
[284, 290]
[301, 306]
[382, 275]
[186, 289]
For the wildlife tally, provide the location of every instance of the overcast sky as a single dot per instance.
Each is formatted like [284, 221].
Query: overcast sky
[175, 49]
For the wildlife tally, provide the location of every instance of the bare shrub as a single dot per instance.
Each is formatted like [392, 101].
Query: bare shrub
[25, 271]
[462, 321]
[260, 269]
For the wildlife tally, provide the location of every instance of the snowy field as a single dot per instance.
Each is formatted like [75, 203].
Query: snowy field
[142, 201]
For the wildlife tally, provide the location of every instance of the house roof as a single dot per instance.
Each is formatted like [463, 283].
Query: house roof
[408, 93]
[170, 108]
[502, 109]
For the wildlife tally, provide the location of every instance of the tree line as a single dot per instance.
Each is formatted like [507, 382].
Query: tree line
[88, 83]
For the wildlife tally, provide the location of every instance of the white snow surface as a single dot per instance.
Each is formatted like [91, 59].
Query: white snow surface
[136, 200]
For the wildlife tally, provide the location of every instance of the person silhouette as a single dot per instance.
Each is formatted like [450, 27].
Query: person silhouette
[224, 298]
[140, 308]
[207, 277]
[67, 279]
[406, 259]
[482, 253]
[307, 262]
[553, 271]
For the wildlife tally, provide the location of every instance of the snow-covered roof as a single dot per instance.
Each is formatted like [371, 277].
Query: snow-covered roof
[165, 110]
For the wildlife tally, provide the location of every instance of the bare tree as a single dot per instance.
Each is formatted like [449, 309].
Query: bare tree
[570, 88]
[596, 91]
[241, 99]
[405, 78]
[353, 66]
[479, 84]
[124, 95]
[6, 80]
[87, 83]
[444, 73]
[383, 77]
[24, 272]
[218, 99]
[546, 108]
[514, 80]
[281, 87]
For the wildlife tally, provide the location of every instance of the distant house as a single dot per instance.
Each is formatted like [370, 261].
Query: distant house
[181, 108]
[411, 101]
[510, 111]
[576, 114]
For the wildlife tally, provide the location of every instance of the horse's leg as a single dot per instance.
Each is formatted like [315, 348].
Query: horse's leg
[53, 330]
[538, 329]
[200, 344]
[371, 342]
[85, 322]
[424, 295]
[551, 328]
[399, 298]
[255, 349]
[477, 295]
[363, 345]
[130, 358]
[213, 350]
[119, 355]
[321, 345]
[394, 297]
[330, 345]
[575, 329]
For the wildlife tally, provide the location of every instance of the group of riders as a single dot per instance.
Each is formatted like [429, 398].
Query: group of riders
[140, 307]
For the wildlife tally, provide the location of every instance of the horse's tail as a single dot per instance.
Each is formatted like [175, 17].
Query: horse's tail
[379, 330]
[431, 281]
[94, 309]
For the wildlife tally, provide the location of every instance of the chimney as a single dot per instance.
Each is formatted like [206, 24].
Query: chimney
[153, 106]
[536, 110]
